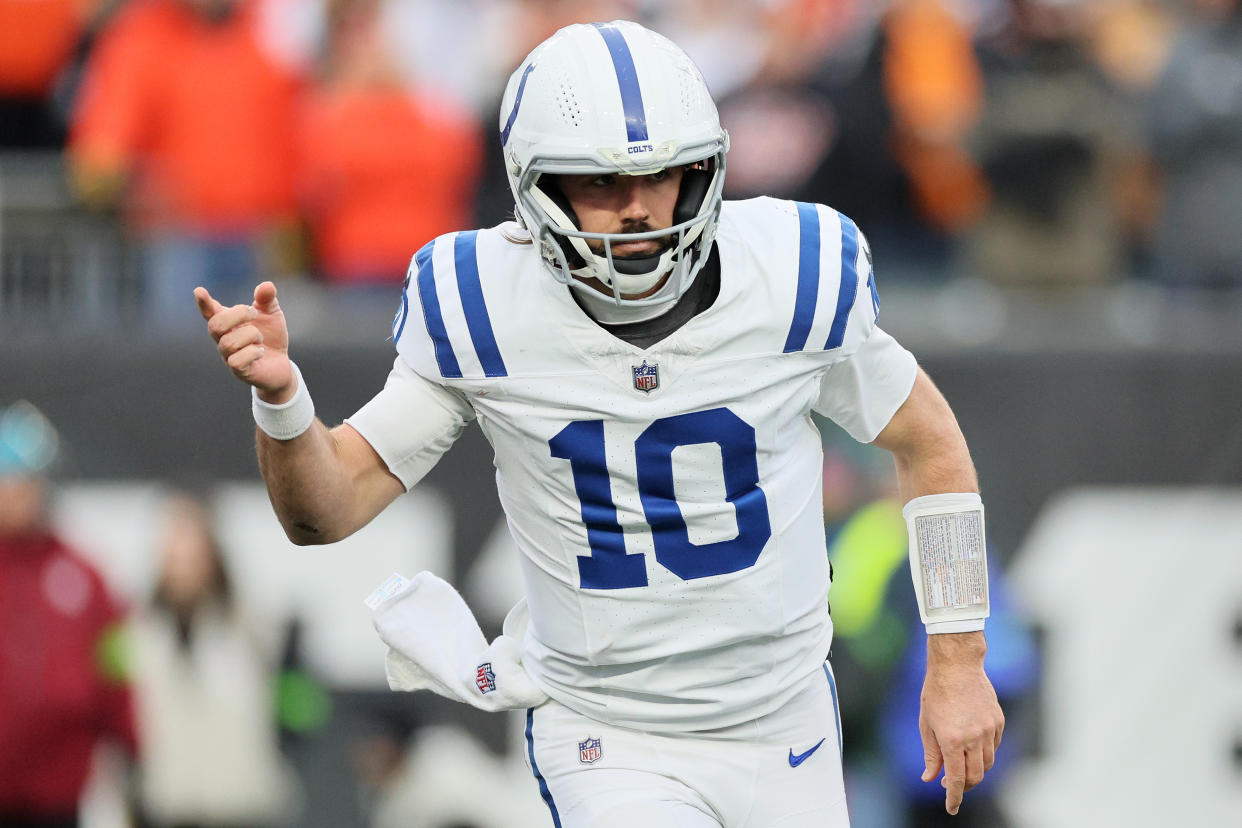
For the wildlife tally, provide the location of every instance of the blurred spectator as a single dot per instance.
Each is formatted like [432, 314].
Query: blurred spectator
[384, 169]
[934, 85]
[186, 115]
[1131, 41]
[37, 42]
[864, 108]
[1196, 130]
[62, 678]
[204, 690]
[1050, 141]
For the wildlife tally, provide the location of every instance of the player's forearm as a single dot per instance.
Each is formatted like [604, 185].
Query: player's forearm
[309, 485]
[931, 456]
[939, 464]
[927, 445]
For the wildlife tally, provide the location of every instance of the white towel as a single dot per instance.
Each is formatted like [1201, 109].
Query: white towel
[435, 644]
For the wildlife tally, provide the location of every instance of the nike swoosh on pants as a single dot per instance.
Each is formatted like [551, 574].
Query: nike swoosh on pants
[794, 761]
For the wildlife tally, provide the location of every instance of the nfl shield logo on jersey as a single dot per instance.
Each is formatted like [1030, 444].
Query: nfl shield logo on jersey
[484, 678]
[646, 377]
[589, 751]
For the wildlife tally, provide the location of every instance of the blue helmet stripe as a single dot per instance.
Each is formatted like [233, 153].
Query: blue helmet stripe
[430, 301]
[517, 101]
[465, 258]
[849, 283]
[543, 783]
[627, 80]
[808, 277]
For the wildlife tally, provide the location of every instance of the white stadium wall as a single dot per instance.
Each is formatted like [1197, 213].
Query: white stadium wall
[1139, 592]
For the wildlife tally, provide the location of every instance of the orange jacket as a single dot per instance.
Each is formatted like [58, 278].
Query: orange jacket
[382, 173]
[200, 112]
[37, 38]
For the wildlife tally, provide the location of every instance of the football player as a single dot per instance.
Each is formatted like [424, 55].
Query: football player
[644, 359]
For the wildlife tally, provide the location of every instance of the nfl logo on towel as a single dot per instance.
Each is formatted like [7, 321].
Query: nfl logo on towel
[646, 377]
[485, 679]
[589, 751]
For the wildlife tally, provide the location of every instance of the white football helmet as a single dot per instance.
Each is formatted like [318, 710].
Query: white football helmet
[613, 98]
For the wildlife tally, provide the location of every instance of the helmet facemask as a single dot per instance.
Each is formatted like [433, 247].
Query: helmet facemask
[564, 245]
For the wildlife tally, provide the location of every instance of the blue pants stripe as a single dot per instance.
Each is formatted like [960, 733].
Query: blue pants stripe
[543, 785]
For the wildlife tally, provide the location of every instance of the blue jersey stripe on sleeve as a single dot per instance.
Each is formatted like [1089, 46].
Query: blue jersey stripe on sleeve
[808, 277]
[465, 257]
[627, 80]
[430, 300]
[849, 283]
[543, 784]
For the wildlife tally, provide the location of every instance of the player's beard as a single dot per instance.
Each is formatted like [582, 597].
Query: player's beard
[597, 245]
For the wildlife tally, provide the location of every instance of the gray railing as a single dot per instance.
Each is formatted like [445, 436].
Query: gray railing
[63, 269]
[67, 273]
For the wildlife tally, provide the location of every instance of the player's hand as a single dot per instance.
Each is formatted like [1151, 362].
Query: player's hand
[253, 341]
[960, 719]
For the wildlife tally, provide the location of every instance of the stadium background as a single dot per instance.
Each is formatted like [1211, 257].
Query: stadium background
[1050, 188]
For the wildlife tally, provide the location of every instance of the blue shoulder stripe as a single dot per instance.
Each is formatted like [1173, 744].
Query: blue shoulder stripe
[849, 283]
[875, 294]
[403, 312]
[808, 277]
[543, 783]
[466, 260]
[627, 80]
[430, 301]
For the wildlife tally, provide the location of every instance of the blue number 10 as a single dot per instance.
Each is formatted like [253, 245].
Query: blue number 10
[609, 567]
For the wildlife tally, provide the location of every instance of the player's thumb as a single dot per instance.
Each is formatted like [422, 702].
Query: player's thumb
[265, 298]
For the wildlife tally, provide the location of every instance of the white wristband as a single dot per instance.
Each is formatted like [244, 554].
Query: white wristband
[965, 625]
[289, 419]
[948, 561]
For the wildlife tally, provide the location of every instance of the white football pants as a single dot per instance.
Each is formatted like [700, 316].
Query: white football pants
[782, 770]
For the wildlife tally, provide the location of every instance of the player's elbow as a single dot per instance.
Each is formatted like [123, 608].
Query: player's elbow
[302, 533]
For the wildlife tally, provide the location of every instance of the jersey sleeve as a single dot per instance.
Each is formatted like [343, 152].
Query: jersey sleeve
[411, 423]
[863, 390]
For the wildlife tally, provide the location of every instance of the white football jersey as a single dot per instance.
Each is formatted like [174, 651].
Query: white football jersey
[666, 501]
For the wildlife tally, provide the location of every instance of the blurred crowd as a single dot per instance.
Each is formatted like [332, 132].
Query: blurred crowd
[178, 689]
[1048, 143]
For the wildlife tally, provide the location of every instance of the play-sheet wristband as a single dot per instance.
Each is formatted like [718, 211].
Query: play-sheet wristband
[948, 561]
[289, 419]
